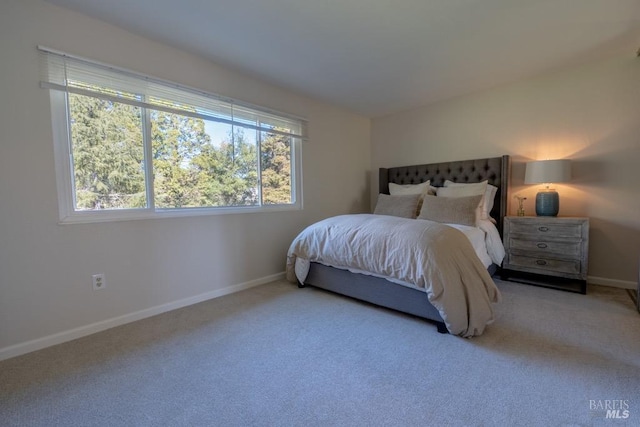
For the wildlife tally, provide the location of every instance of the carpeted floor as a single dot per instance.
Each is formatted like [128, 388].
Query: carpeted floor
[278, 355]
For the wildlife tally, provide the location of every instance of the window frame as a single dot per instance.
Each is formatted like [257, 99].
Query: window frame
[68, 214]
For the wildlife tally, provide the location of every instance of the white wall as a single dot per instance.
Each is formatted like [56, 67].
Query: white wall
[45, 268]
[590, 114]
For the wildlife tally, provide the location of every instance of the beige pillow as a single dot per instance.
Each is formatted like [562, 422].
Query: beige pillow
[475, 188]
[450, 210]
[403, 206]
[421, 189]
[466, 191]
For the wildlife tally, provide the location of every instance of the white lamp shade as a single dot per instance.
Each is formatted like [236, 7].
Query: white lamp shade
[547, 171]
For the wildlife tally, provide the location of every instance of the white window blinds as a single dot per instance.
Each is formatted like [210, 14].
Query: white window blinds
[64, 72]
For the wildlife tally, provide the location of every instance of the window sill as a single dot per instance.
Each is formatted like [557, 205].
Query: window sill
[85, 217]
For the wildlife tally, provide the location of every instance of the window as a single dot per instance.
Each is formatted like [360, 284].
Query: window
[130, 146]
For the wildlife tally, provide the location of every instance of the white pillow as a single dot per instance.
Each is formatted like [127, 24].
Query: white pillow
[487, 190]
[408, 189]
[489, 199]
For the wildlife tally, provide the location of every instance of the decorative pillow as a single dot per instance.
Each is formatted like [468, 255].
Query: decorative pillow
[402, 206]
[450, 210]
[421, 189]
[467, 189]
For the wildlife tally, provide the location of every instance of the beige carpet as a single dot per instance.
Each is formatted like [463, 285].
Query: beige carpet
[279, 355]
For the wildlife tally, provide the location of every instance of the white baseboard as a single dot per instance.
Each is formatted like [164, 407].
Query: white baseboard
[82, 331]
[614, 283]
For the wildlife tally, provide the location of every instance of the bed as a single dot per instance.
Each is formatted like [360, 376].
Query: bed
[387, 293]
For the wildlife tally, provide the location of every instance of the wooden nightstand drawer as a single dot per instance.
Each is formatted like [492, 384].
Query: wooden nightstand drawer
[547, 229]
[546, 247]
[546, 265]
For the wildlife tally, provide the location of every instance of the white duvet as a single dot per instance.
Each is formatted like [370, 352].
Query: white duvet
[424, 254]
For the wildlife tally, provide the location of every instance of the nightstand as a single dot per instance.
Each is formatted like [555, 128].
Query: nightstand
[547, 251]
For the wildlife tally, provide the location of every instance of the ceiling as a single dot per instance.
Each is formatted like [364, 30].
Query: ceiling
[377, 57]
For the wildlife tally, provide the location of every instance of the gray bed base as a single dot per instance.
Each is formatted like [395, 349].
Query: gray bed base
[374, 290]
[387, 294]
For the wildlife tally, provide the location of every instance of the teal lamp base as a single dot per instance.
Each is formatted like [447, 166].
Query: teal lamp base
[547, 203]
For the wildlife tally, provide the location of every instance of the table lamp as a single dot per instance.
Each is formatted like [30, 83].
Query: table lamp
[547, 172]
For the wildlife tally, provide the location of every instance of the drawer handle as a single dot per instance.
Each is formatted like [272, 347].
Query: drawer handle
[542, 245]
[541, 262]
[543, 229]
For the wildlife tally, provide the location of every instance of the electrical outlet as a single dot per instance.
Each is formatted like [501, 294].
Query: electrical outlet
[98, 281]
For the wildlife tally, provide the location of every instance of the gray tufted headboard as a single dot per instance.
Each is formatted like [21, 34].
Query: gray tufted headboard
[496, 170]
